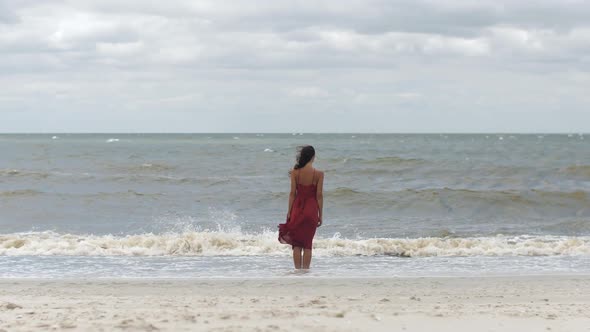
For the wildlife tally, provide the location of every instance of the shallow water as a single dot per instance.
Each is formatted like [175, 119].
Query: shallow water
[281, 266]
[208, 204]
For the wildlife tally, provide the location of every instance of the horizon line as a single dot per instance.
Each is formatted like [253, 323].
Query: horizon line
[292, 133]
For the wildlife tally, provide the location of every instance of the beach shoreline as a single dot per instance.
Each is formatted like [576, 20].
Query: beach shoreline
[489, 303]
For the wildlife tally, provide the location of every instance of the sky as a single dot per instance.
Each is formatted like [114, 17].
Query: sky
[295, 66]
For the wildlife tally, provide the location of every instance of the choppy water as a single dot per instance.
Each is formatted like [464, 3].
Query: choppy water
[142, 205]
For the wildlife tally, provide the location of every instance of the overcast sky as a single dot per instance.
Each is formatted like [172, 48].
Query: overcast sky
[294, 66]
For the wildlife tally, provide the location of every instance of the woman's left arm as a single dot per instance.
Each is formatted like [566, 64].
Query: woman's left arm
[292, 193]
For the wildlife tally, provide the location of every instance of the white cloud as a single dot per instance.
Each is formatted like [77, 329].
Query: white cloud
[119, 49]
[308, 92]
[258, 57]
[409, 95]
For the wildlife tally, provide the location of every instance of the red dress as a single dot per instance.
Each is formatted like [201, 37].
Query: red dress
[299, 230]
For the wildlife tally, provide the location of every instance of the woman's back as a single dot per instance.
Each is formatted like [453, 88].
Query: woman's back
[306, 178]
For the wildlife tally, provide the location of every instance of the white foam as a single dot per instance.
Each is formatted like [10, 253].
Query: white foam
[111, 140]
[269, 150]
[236, 243]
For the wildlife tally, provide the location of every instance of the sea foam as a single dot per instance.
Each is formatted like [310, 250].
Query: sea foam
[219, 243]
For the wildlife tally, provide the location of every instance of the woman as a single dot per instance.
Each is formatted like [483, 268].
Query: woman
[305, 207]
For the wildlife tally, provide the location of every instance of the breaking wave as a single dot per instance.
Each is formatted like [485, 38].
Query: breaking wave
[219, 243]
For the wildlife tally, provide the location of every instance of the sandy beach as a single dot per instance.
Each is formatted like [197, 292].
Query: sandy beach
[543, 303]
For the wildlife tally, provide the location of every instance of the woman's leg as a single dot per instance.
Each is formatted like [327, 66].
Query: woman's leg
[306, 258]
[297, 257]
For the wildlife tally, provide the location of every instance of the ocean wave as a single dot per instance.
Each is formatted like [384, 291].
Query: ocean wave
[579, 170]
[147, 172]
[340, 192]
[19, 193]
[144, 167]
[521, 196]
[218, 243]
[32, 192]
[525, 197]
[23, 173]
[394, 161]
[383, 161]
[373, 171]
[580, 226]
[128, 193]
[477, 202]
[344, 192]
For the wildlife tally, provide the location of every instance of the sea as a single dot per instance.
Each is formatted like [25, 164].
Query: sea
[208, 205]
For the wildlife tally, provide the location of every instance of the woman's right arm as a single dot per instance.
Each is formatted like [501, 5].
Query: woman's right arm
[320, 196]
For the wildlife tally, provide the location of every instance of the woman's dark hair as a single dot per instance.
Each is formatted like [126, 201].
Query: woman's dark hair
[304, 155]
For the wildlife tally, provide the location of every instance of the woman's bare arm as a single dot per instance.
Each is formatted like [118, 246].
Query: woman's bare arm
[292, 193]
[320, 196]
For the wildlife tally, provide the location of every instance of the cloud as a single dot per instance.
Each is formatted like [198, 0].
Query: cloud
[409, 95]
[257, 56]
[119, 49]
[7, 13]
[255, 34]
[308, 92]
